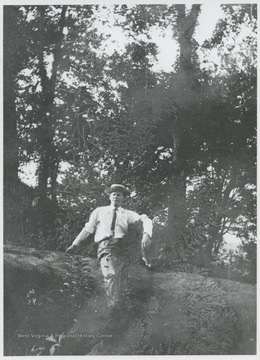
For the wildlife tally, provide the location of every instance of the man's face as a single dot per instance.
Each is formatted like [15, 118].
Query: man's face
[116, 198]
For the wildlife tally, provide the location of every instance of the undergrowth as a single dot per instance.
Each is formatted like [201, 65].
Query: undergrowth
[49, 315]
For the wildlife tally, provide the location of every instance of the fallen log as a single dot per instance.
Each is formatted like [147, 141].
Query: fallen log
[32, 276]
[166, 313]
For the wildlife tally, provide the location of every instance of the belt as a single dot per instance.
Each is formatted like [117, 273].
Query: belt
[110, 238]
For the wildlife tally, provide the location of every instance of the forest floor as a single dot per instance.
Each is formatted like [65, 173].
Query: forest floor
[242, 298]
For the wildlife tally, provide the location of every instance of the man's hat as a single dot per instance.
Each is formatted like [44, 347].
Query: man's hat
[117, 188]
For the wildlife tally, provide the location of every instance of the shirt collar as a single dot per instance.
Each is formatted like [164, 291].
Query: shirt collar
[111, 208]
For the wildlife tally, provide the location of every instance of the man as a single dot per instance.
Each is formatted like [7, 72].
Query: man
[110, 225]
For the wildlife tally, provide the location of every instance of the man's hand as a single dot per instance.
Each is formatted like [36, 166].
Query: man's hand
[146, 240]
[71, 249]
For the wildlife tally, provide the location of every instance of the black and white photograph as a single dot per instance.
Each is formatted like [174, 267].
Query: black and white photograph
[129, 178]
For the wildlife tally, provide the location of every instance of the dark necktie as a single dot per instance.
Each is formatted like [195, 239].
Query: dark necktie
[113, 223]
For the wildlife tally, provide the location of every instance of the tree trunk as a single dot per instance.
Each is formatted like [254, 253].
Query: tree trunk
[176, 219]
[10, 71]
[49, 159]
[11, 163]
[177, 197]
[186, 24]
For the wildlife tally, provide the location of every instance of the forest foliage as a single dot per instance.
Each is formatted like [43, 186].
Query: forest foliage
[88, 112]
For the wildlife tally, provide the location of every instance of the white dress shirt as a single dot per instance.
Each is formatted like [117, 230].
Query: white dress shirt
[101, 218]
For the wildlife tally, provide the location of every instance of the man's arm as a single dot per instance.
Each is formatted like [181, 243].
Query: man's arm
[147, 231]
[147, 227]
[81, 236]
[85, 232]
[146, 239]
